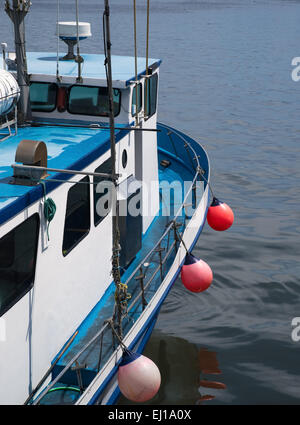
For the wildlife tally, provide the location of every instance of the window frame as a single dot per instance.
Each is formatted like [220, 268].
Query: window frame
[108, 161]
[133, 97]
[148, 97]
[30, 283]
[89, 207]
[95, 87]
[56, 93]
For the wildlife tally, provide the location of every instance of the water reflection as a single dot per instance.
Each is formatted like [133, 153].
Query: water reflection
[208, 365]
[184, 371]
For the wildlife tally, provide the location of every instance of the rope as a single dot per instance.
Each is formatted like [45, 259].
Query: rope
[123, 346]
[147, 56]
[116, 232]
[147, 38]
[201, 173]
[135, 63]
[122, 296]
[57, 53]
[49, 209]
[78, 58]
[63, 389]
[179, 235]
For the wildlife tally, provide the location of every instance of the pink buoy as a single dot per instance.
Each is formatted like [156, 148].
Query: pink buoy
[138, 377]
[196, 275]
[219, 215]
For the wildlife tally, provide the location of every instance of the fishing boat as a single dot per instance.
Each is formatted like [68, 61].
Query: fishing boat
[100, 204]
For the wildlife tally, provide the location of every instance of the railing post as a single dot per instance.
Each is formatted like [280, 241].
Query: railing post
[141, 278]
[159, 249]
[169, 133]
[77, 369]
[176, 239]
[100, 352]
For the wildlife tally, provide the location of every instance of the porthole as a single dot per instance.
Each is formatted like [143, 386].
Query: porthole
[124, 158]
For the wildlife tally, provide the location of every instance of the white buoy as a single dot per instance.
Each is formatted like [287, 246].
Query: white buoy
[9, 92]
[138, 377]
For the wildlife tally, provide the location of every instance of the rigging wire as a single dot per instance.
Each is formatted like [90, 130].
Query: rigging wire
[135, 62]
[147, 58]
[57, 52]
[78, 58]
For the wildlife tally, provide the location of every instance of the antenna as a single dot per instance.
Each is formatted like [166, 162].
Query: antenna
[67, 32]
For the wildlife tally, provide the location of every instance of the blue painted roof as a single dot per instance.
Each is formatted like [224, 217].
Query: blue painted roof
[123, 67]
[68, 148]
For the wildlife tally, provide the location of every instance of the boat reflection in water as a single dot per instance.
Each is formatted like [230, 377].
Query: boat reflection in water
[184, 369]
[209, 365]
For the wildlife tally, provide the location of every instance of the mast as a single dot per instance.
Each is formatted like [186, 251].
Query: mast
[115, 223]
[17, 12]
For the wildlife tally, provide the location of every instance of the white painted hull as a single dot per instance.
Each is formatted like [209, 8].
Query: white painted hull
[106, 380]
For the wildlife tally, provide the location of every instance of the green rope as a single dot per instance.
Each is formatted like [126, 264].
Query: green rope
[63, 389]
[49, 209]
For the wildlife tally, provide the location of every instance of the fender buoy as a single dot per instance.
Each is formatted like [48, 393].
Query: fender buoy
[138, 377]
[219, 215]
[196, 275]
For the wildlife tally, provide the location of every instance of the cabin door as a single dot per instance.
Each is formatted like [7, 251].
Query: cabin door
[130, 220]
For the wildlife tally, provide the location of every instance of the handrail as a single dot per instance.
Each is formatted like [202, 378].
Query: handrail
[176, 215]
[69, 364]
[132, 275]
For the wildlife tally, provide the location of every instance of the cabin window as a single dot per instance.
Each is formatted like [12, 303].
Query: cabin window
[18, 250]
[87, 100]
[77, 221]
[150, 96]
[102, 192]
[137, 90]
[43, 97]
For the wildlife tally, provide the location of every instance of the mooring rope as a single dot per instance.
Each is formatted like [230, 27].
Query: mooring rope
[122, 345]
[116, 232]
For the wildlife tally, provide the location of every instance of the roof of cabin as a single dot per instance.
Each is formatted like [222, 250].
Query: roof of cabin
[123, 67]
[68, 148]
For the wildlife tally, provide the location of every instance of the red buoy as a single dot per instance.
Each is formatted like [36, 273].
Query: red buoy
[196, 275]
[138, 377]
[219, 215]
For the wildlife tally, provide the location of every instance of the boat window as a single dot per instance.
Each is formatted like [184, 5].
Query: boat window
[137, 89]
[43, 97]
[102, 193]
[77, 221]
[87, 100]
[150, 96]
[18, 250]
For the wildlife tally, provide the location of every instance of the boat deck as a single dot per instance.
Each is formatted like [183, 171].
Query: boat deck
[180, 168]
[104, 309]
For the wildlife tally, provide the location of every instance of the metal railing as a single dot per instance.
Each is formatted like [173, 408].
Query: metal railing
[140, 282]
